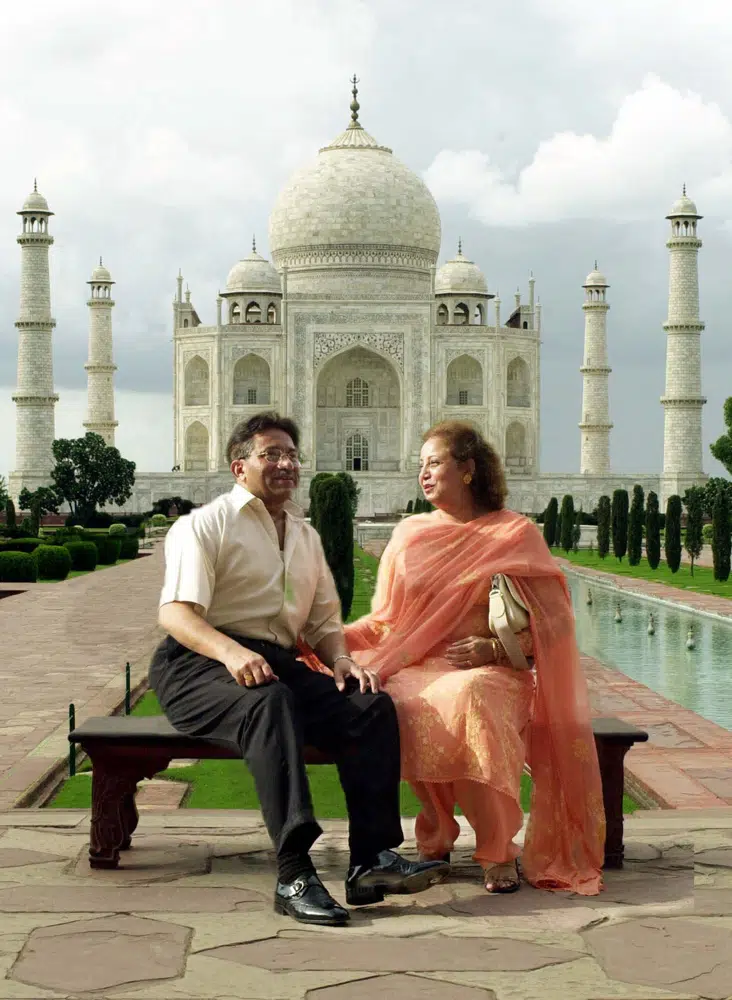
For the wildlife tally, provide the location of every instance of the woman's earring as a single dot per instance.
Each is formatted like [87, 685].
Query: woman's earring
[467, 479]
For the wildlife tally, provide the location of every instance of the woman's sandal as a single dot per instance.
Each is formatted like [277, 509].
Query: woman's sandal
[502, 878]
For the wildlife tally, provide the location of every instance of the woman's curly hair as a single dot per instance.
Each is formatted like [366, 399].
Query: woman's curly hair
[465, 441]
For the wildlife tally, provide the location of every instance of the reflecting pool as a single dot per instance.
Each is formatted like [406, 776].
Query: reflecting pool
[698, 678]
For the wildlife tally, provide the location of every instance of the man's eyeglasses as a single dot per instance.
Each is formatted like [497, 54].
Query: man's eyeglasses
[273, 456]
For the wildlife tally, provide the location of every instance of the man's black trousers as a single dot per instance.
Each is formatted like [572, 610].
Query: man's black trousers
[270, 725]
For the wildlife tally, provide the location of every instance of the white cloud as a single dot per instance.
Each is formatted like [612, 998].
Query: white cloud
[660, 139]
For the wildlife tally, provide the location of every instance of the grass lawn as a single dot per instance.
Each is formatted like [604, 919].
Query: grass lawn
[85, 572]
[227, 784]
[702, 581]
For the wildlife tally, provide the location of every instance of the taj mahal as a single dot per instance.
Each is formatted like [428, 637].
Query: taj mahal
[355, 329]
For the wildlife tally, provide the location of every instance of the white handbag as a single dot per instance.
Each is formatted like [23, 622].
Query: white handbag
[507, 614]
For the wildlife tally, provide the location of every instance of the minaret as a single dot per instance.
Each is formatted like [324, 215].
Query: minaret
[34, 397]
[100, 367]
[595, 425]
[682, 401]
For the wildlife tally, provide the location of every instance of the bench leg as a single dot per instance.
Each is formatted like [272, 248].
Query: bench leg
[114, 813]
[611, 757]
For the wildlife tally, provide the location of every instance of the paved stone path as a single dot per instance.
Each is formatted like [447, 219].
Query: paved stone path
[68, 642]
[189, 915]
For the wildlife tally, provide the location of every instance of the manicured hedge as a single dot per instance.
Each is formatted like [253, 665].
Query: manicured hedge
[108, 548]
[129, 548]
[18, 567]
[54, 562]
[84, 555]
[117, 529]
[21, 545]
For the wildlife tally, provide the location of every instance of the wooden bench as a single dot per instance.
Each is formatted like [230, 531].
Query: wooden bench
[125, 749]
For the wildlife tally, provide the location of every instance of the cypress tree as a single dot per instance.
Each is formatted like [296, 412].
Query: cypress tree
[603, 526]
[653, 531]
[635, 527]
[335, 526]
[318, 479]
[673, 533]
[567, 519]
[354, 490]
[721, 528]
[619, 517]
[577, 531]
[550, 521]
[694, 538]
[10, 519]
[410, 506]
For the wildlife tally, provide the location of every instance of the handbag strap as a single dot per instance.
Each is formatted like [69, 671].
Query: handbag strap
[504, 633]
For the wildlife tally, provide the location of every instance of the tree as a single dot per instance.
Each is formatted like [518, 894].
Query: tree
[694, 537]
[354, 490]
[4, 496]
[603, 526]
[315, 483]
[164, 505]
[619, 518]
[721, 528]
[722, 447]
[10, 519]
[410, 506]
[90, 474]
[567, 521]
[653, 531]
[550, 521]
[673, 533]
[39, 502]
[635, 526]
[577, 531]
[710, 488]
[335, 526]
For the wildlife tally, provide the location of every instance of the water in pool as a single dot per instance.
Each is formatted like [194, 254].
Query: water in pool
[698, 678]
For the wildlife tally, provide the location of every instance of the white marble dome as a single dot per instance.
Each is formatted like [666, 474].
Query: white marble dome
[355, 195]
[254, 274]
[460, 275]
[100, 273]
[35, 202]
[683, 206]
[596, 279]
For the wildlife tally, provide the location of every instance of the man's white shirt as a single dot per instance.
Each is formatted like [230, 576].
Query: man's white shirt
[225, 557]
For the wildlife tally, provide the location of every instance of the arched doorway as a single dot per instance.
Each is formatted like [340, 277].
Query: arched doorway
[358, 400]
[196, 459]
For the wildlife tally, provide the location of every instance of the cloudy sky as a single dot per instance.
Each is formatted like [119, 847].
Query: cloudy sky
[551, 132]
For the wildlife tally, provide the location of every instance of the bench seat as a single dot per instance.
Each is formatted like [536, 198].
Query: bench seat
[124, 749]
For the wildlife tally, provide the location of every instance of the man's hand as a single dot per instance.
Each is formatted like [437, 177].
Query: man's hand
[249, 669]
[344, 668]
[473, 651]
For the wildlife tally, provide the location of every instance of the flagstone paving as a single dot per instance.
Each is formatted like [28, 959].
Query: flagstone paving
[189, 914]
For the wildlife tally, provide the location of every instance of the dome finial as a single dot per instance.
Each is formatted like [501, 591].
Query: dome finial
[683, 189]
[100, 260]
[354, 123]
[595, 264]
[460, 246]
[35, 185]
[254, 243]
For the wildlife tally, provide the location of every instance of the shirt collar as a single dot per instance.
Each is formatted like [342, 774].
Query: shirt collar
[240, 497]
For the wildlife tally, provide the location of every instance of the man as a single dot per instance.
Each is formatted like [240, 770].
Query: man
[245, 576]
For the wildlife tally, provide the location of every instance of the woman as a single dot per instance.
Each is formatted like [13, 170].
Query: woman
[468, 719]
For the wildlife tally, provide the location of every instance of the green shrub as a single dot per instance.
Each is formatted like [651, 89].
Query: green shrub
[159, 521]
[54, 562]
[672, 541]
[335, 525]
[653, 530]
[635, 526]
[721, 526]
[550, 521]
[129, 547]
[21, 545]
[619, 520]
[108, 548]
[26, 526]
[84, 555]
[10, 519]
[604, 524]
[18, 567]
[566, 517]
[708, 533]
[117, 529]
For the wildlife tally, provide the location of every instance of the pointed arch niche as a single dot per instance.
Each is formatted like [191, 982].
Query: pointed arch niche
[518, 386]
[516, 451]
[252, 381]
[464, 382]
[196, 459]
[358, 419]
[197, 382]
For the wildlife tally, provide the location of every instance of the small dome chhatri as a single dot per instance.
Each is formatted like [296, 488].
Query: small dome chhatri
[254, 274]
[460, 275]
[595, 279]
[683, 207]
[35, 202]
[99, 274]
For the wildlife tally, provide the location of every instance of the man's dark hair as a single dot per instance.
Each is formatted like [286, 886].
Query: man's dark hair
[241, 441]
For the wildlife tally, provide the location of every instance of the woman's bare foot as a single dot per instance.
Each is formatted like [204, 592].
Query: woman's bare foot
[502, 878]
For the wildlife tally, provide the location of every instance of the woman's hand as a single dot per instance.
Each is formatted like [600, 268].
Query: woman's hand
[472, 651]
[345, 667]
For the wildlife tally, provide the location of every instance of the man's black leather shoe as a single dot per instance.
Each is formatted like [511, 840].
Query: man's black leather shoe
[391, 875]
[308, 900]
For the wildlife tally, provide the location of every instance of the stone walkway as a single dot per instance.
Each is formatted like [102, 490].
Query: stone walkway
[68, 642]
[190, 915]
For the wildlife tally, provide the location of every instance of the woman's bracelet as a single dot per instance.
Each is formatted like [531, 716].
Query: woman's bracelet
[342, 656]
[496, 650]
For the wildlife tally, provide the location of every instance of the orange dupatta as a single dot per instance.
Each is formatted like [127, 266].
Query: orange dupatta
[431, 574]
